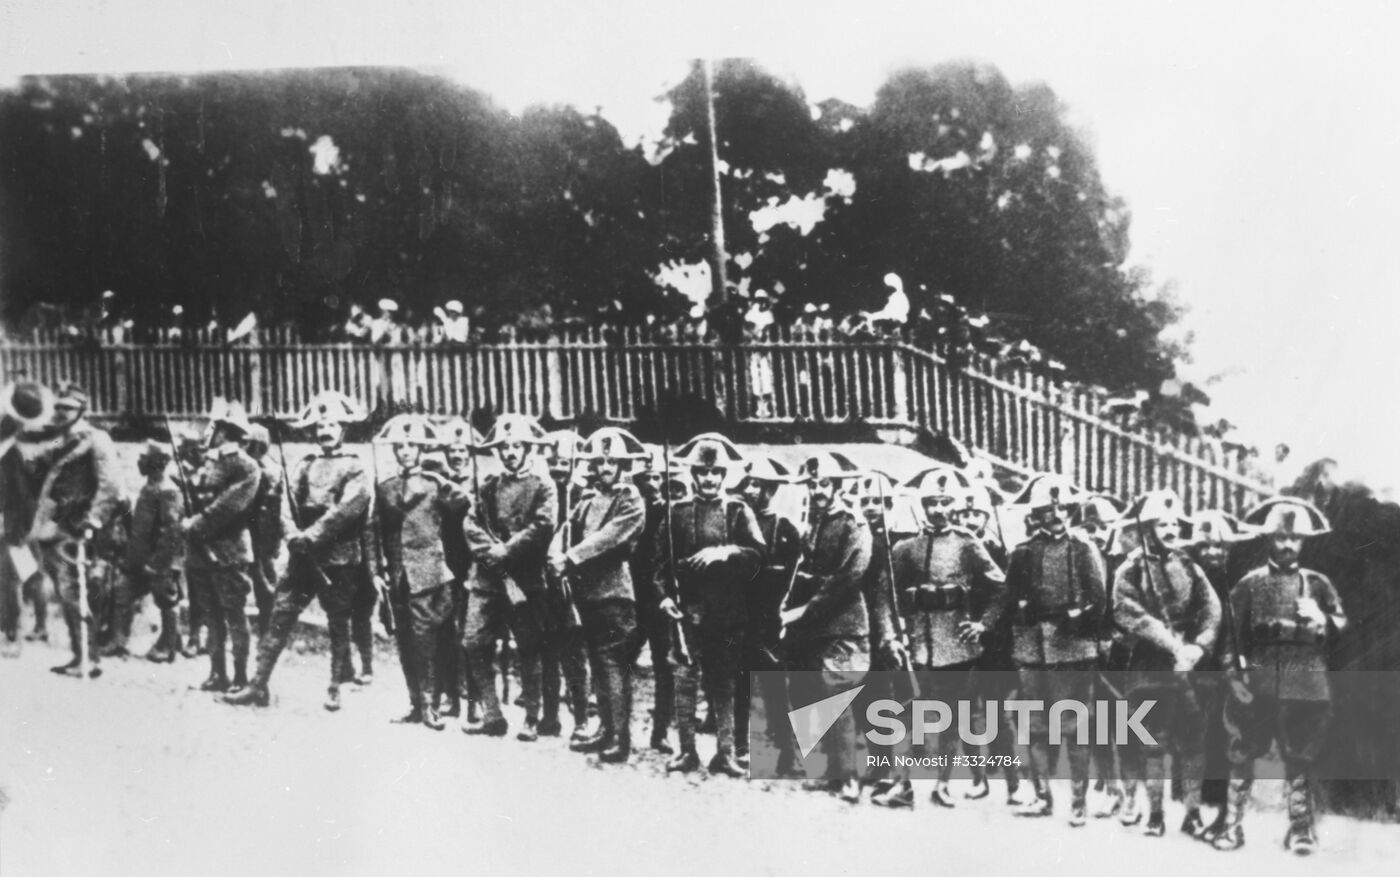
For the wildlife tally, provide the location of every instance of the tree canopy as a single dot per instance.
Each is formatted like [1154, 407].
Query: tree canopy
[295, 193]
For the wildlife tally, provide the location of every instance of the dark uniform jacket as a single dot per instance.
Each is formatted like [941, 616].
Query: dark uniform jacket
[782, 546]
[517, 511]
[940, 580]
[651, 544]
[267, 527]
[79, 487]
[156, 545]
[1163, 602]
[224, 490]
[456, 551]
[332, 493]
[410, 508]
[604, 531]
[715, 596]
[1282, 658]
[836, 555]
[1046, 578]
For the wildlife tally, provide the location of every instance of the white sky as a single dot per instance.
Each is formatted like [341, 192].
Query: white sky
[1258, 144]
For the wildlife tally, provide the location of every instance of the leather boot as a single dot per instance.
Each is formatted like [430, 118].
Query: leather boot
[618, 752]
[332, 703]
[254, 695]
[597, 743]
[530, 733]
[1237, 796]
[686, 761]
[723, 763]
[495, 728]
[216, 682]
[431, 719]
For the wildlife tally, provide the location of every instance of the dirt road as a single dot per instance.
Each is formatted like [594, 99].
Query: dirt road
[135, 773]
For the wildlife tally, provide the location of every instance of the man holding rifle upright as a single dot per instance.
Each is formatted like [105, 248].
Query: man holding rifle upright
[219, 549]
[591, 552]
[508, 530]
[329, 497]
[705, 565]
[826, 626]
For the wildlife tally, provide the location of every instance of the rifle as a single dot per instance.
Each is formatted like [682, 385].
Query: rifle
[386, 608]
[572, 621]
[190, 510]
[683, 650]
[796, 567]
[895, 621]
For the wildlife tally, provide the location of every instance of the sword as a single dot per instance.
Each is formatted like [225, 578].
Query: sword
[84, 618]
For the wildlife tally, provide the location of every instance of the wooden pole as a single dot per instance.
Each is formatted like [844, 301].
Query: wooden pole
[718, 258]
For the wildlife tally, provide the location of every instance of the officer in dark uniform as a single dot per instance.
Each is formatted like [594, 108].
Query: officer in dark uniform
[1170, 617]
[266, 526]
[655, 629]
[154, 554]
[329, 506]
[1055, 582]
[591, 553]
[220, 551]
[508, 532]
[704, 566]
[1284, 617]
[459, 443]
[826, 626]
[782, 544]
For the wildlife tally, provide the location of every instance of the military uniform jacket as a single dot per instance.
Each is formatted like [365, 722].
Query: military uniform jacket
[836, 555]
[224, 490]
[650, 545]
[972, 588]
[517, 511]
[716, 596]
[1284, 660]
[410, 508]
[1162, 602]
[331, 496]
[156, 545]
[1045, 578]
[604, 530]
[456, 552]
[267, 527]
[80, 486]
[782, 546]
[21, 478]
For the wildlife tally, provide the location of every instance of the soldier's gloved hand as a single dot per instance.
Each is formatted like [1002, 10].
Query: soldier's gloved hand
[971, 631]
[1310, 614]
[894, 654]
[1188, 656]
[671, 609]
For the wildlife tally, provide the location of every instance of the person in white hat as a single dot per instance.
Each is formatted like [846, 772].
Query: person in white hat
[456, 326]
[1055, 582]
[564, 655]
[1170, 617]
[1284, 616]
[590, 552]
[329, 506]
[706, 559]
[508, 532]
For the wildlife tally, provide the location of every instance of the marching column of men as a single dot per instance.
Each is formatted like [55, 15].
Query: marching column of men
[581, 552]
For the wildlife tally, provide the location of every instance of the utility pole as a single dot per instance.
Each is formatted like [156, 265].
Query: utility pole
[718, 258]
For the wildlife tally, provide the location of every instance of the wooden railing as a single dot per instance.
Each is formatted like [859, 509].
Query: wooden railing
[1018, 418]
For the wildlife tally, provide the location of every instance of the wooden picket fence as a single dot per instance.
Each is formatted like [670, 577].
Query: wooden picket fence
[1018, 418]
